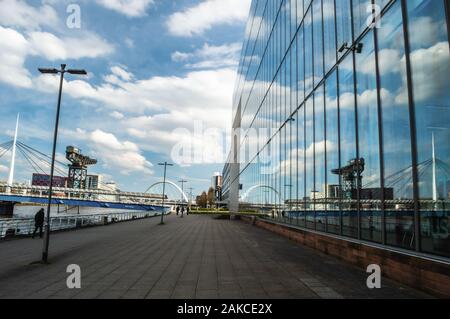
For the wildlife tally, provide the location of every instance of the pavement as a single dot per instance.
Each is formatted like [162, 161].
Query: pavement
[196, 257]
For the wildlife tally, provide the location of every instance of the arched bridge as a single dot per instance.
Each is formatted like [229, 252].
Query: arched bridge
[172, 184]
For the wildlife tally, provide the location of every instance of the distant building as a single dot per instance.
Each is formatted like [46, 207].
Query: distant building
[44, 180]
[216, 180]
[216, 184]
[94, 181]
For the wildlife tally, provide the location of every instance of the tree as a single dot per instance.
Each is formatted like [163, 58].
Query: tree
[202, 200]
[211, 197]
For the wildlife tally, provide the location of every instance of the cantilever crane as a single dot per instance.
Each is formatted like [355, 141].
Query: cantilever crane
[78, 168]
[351, 176]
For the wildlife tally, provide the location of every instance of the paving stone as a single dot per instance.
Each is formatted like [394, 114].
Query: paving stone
[193, 257]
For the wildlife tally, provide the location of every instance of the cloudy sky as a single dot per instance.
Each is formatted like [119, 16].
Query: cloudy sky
[157, 69]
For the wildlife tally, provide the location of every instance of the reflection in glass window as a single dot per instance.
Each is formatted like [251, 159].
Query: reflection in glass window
[301, 166]
[398, 176]
[430, 68]
[309, 158]
[332, 152]
[329, 34]
[344, 23]
[319, 155]
[338, 149]
[361, 15]
[309, 69]
[318, 41]
[370, 192]
[349, 163]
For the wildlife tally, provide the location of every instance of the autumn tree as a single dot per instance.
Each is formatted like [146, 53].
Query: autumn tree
[202, 200]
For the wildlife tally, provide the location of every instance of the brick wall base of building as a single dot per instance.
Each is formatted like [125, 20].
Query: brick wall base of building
[425, 274]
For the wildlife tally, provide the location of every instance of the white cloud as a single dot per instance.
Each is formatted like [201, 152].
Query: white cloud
[17, 13]
[3, 169]
[122, 73]
[13, 51]
[130, 8]
[21, 36]
[129, 43]
[199, 90]
[424, 32]
[117, 115]
[431, 72]
[202, 17]
[124, 156]
[210, 57]
[15, 47]
[53, 48]
[174, 102]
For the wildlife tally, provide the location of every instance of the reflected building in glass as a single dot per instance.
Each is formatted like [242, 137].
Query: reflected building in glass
[342, 120]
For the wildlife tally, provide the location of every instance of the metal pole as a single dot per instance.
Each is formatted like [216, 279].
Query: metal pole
[52, 170]
[164, 193]
[182, 190]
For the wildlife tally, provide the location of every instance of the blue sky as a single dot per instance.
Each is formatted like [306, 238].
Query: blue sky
[156, 67]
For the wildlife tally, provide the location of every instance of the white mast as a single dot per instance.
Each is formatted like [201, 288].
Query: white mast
[435, 192]
[13, 158]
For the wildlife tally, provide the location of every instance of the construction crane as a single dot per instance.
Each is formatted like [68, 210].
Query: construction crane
[78, 167]
[351, 177]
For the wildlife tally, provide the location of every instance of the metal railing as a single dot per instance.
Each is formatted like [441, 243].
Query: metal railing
[22, 227]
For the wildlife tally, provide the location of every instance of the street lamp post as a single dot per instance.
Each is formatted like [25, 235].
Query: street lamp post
[190, 195]
[182, 189]
[165, 164]
[62, 71]
[182, 195]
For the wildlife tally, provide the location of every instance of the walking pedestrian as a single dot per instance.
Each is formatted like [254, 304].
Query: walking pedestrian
[39, 222]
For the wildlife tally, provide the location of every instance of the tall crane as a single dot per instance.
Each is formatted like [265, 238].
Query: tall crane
[78, 167]
[351, 177]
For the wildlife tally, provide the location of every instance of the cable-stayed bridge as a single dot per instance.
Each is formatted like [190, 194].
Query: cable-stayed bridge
[103, 196]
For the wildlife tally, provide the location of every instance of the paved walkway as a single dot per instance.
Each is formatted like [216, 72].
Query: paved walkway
[194, 257]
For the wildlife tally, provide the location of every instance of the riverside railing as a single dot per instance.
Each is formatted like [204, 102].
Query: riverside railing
[22, 227]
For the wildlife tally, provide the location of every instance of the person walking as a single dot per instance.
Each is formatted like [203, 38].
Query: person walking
[182, 212]
[178, 210]
[39, 222]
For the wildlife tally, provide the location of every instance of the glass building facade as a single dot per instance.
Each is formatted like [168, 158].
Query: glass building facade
[342, 118]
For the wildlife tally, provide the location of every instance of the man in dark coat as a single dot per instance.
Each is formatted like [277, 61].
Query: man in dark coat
[39, 222]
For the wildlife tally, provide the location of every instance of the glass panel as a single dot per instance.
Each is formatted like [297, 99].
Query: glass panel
[344, 23]
[309, 151]
[332, 151]
[329, 34]
[309, 70]
[318, 41]
[360, 15]
[430, 67]
[349, 161]
[399, 205]
[319, 154]
[370, 192]
[301, 166]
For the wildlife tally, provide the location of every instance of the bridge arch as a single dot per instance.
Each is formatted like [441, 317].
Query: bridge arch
[172, 184]
[253, 188]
